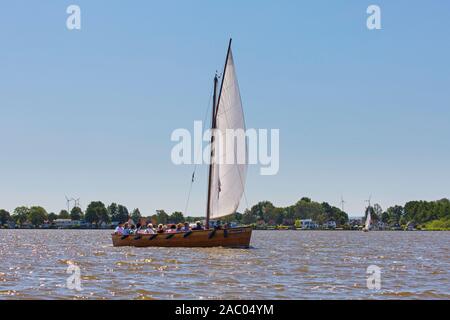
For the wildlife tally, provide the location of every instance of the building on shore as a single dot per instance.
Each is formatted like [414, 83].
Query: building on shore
[66, 223]
[308, 224]
[330, 225]
[11, 225]
[356, 223]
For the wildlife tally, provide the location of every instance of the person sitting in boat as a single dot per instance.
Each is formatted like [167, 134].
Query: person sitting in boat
[160, 228]
[142, 229]
[133, 229]
[172, 229]
[119, 229]
[186, 227]
[218, 225]
[150, 229]
[126, 229]
[198, 226]
[179, 227]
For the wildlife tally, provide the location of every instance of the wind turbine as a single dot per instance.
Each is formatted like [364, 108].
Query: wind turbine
[68, 203]
[76, 202]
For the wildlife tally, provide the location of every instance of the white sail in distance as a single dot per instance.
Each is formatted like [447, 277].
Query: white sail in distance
[368, 221]
[228, 177]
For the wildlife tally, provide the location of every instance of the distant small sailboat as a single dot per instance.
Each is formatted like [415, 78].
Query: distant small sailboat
[225, 180]
[368, 222]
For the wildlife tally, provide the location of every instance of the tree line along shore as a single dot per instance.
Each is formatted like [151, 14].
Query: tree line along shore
[417, 215]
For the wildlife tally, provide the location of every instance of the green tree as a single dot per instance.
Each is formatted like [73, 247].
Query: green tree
[422, 212]
[52, 216]
[378, 211]
[4, 217]
[334, 214]
[385, 217]
[394, 214]
[64, 214]
[113, 211]
[403, 220]
[37, 215]
[307, 209]
[176, 217]
[191, 219]
[263, 210]
[341, 218]
[268, 212]
[289, 213]
[234, 217]
[76, 214]
[162, 216]
[279, 216]
[123, 214]
[248, 217]
[21, 215]
[441, 224]
[103, 214]
[443, 209]
[153, 219]
[96, 213]
[136, 215]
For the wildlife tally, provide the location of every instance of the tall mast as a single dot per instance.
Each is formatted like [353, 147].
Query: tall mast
[224, 71]
[213, 126]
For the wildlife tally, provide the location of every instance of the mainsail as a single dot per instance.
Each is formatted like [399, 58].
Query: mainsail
[228, 177]
[368, 221]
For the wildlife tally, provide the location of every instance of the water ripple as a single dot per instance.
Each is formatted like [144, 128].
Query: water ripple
[280, 265]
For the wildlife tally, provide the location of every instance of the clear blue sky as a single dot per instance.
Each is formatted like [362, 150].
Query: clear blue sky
[89, 113]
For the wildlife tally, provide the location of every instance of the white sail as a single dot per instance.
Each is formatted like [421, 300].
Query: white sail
[228, 177]
[368, 221]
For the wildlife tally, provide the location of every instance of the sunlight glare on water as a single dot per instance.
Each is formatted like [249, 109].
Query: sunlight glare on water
[280, 265]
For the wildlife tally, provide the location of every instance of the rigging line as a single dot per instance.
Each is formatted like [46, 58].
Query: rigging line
[195, 166]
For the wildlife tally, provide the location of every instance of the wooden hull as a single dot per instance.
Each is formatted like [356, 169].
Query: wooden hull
[230, 238]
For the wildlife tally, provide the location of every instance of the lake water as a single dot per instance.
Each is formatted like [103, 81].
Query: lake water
[281, 265]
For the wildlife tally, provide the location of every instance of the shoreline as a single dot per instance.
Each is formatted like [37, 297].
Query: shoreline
[255, 229]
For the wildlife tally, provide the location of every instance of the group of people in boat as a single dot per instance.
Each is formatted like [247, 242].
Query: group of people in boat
[128, 228]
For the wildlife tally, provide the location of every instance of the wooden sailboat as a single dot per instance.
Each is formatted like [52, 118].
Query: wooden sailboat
[225, 181]
[231, 238]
